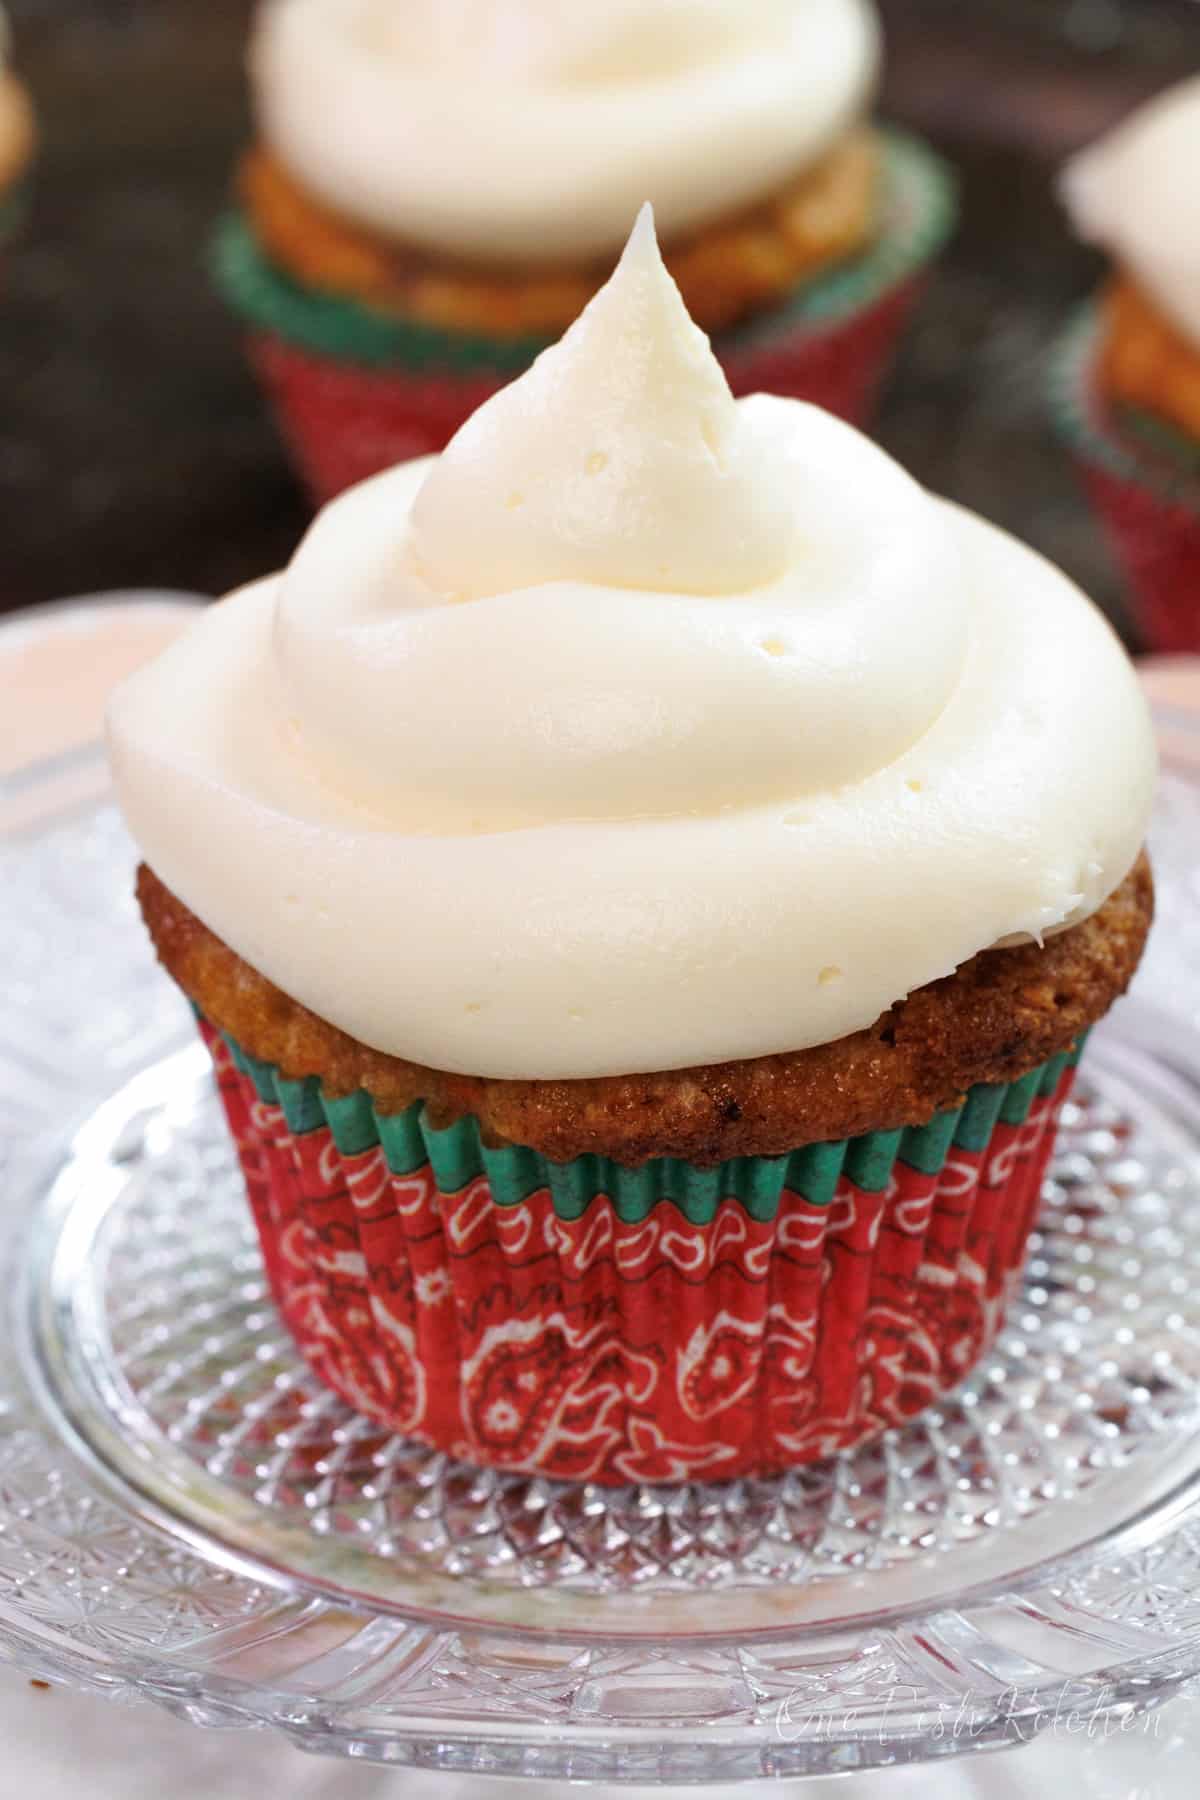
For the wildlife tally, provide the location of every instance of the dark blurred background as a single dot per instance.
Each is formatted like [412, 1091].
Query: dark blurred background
[133, 446]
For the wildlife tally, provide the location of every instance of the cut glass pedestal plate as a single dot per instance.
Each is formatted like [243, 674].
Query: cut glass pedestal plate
[186, 1515]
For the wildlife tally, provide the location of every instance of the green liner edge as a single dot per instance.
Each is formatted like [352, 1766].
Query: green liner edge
[1162, 462]
[457, 1156]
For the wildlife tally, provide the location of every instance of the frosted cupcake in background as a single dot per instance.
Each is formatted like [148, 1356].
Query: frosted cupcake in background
[645, 877]
[16, 138]
[1128, 388]
[437, 190]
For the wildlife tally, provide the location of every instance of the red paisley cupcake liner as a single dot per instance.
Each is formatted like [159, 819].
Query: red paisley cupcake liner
[840, 367]
[585, 1322]
[344, 421]
[1146, 498]
[1157, 543]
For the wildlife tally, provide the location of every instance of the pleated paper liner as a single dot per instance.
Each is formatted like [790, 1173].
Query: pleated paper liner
[357, 390]
[663, 1323]
[1144, 482]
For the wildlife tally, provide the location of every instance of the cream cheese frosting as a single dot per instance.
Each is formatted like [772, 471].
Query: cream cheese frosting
[521, 130]
[643, 728]
[1135, 194]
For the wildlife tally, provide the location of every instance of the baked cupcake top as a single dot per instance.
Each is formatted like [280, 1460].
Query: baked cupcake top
[16, 114]
[642, 728]
[1135, 194]
[521, 131]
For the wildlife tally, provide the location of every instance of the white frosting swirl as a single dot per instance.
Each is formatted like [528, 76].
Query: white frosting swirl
[642, 728]
[1135, 194]
[517, 130]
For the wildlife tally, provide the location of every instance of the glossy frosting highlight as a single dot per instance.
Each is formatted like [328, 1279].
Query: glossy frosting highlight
[528, 131]
[1135, 194]
[642, 728]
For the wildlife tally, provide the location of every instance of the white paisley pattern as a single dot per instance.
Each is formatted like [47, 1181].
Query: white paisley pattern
[521, 1339]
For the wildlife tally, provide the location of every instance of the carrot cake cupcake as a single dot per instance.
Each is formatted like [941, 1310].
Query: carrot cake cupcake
[645, 876]
[436, 191]
[1129, 374]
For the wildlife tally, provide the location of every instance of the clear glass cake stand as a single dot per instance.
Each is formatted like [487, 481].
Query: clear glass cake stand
[184, 1515]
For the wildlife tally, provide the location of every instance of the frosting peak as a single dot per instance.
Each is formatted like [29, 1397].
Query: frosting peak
[621, 458]
[712, 750]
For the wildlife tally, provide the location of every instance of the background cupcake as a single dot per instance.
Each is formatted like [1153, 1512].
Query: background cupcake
[1129, 375]
[645, 877]
[16, 138]
[436, 192]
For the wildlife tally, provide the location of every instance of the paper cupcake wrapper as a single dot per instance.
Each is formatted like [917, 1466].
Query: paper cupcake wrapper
[591, 1322]
[356, 390]
[1144, 484]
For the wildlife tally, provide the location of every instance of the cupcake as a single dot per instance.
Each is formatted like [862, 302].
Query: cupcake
[645, 877]
[435, 192]
[16, 138]
[1128, 387]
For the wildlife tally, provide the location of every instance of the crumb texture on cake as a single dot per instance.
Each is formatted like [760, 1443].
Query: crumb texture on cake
[998, 1016]
[725, 270]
